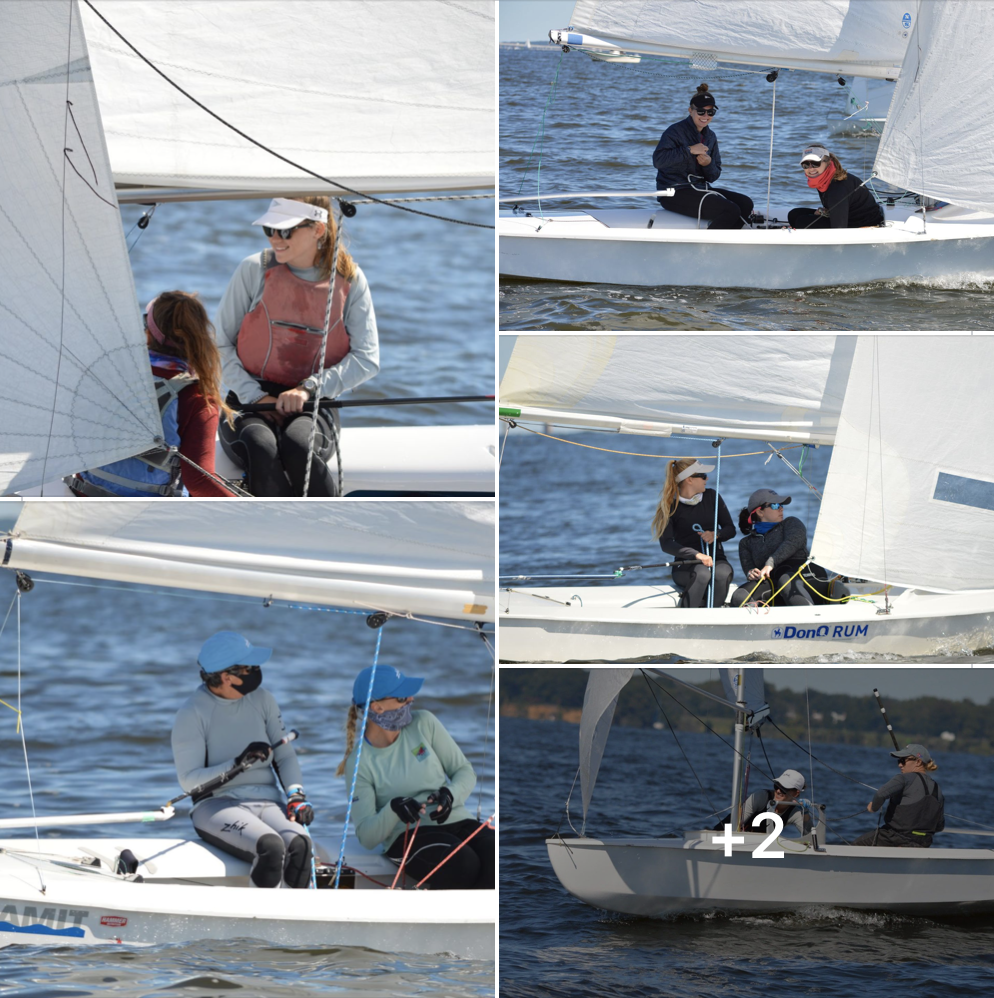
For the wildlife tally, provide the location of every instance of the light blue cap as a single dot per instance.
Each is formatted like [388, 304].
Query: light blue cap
[389, 682]
[227, 648]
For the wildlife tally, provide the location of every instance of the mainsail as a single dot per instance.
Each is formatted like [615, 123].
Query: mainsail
[78, 389]
[924, 147]
[909, 497]
[855, 37]
[431, 558]
[381, 95]
[698, 385]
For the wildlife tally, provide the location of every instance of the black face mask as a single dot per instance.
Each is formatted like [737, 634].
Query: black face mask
[249, 682]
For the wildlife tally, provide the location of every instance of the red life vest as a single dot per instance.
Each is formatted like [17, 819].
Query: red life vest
[280, 338]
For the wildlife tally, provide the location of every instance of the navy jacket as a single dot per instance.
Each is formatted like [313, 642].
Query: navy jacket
[674, 161]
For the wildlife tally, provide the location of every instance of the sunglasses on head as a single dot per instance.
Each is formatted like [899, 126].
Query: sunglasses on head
[285, 233]
[709, 111]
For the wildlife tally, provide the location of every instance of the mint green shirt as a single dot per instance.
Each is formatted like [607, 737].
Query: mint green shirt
[423, 758]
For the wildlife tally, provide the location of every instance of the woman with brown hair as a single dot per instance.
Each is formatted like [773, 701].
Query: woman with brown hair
[186, 368]
[684, 526]
[270, 327]
[846, 203]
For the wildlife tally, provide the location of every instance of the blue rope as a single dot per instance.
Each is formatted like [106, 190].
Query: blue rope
[362, 738]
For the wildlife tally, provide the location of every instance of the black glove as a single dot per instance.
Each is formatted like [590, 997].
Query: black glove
[298, 809]
[443, 798]
[406, 808]
[254, 752]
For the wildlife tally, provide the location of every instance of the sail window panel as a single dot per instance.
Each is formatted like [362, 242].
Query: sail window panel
[964, 491]
[383, 96]
[898, 433]
[861, 37]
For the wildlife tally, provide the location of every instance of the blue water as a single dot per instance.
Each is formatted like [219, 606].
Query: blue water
[600, 129]
[552, 944]
[431, 284]
[104, 671]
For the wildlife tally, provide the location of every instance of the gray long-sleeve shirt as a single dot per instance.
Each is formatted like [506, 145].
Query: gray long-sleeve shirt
[210, 731]
[244, 292]
[904, 790]
[760, 802]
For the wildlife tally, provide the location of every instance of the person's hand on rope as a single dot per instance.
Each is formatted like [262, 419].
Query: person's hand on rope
[407, 809]
[443, 798]
[704, 559]
[708, 535]
[298, 809]
[292, 401]
[755, 574]
[254, 752]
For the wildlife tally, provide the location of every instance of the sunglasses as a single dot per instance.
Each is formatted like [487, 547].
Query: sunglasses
[701, 476]
[782, 790]
[243, 670]
[910, 758]
[810, 165]
[285, 233]
[709, 111]
[772, 505]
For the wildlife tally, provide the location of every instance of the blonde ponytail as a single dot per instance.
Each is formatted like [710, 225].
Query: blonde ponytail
[669, 496]
[350, 726]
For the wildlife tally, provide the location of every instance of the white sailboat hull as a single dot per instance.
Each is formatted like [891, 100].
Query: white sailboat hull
[660, 877]
[632, 623]
[393, 460]
[617, 246]
[193, 891]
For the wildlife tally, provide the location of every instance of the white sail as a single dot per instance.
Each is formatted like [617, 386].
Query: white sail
[424, 558]
[702, 385]
[856, 37]
[927, 145]
[745, 688]
[909, 497]
[380, 95]
[78, 384]
[600, 699]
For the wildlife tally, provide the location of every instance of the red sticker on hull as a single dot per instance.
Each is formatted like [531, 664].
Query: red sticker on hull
[115, 921]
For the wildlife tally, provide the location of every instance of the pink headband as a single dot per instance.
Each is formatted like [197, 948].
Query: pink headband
[157, 334]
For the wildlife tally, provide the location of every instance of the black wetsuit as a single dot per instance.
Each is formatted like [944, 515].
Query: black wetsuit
[849, 206]
[680, 539]
[785, 548]
[677, 167]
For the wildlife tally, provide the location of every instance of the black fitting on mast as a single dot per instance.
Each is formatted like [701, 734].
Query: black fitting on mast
[24, 581]
[772, 77]
[376, 620]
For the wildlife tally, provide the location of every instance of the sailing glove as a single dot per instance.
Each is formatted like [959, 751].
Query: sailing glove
[298, 809]
[406, 808]
[254, 752]
[443, 798]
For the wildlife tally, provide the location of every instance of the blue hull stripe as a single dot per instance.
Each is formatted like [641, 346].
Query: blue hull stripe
[43, 930]
[964, 491]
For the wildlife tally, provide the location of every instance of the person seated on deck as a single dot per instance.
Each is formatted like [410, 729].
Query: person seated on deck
[916, 808]
[186, 368]
[270, 326]
[684, 527]
[686, 158]
[782, 798]
[257, 815]
[772, 551]
[846, 203]
[409, 771]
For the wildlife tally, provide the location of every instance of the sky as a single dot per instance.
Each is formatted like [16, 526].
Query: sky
[530, 20]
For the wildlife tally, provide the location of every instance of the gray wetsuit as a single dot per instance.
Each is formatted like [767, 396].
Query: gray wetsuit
[246, 817]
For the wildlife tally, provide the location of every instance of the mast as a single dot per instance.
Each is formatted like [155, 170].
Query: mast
[740, 730]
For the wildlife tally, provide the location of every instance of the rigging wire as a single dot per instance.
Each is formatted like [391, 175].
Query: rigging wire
[272, 152]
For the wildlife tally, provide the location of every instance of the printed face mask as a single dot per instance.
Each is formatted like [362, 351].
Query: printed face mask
[394, 720]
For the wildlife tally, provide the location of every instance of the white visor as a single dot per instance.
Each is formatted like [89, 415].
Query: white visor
[285, 214]
[695, 469]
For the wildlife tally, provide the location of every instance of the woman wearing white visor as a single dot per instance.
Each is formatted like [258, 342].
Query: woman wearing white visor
[684, 527]
[845, 202]
[270, 326]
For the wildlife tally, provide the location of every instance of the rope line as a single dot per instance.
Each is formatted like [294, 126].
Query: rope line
[486, 824]
[272, 152]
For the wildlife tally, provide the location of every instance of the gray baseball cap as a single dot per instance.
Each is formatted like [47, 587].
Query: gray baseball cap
[765, 495]
[918, 751]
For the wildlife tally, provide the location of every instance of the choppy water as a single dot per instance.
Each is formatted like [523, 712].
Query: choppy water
[552, 944]
[104, 671]
[431, 283]
[600, 131]
[571, 510]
